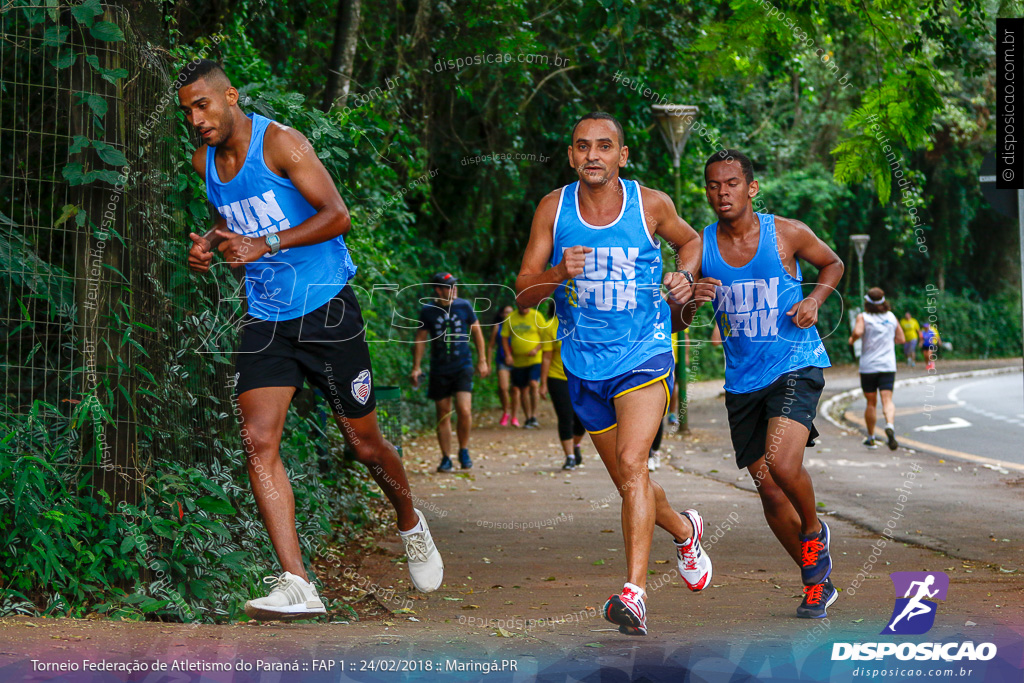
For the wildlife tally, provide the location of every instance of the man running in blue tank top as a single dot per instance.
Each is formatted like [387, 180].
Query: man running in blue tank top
[282, 218]
[774, 357]
[594, 247]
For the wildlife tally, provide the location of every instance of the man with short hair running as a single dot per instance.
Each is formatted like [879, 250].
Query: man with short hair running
[774, 357]
[594, 248]
[448, 323]
[281, 217]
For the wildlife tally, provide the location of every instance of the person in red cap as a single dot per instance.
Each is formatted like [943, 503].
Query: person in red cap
[448, 323]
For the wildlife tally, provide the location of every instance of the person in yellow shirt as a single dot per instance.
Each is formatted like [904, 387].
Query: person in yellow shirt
[553, 379]
[522, 338]
[911, 335]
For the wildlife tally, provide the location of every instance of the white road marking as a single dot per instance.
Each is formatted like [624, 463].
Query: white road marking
[954, 423]
[954, 396]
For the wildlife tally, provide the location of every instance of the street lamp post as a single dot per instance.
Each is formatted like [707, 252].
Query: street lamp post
[675, 121]
[860, 244]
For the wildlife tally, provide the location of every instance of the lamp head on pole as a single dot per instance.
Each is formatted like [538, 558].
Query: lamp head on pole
[675, 121]
[860, 244]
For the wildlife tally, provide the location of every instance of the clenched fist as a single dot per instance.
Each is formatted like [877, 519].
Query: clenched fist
[804, 313]
[199, 254]
[679, 288]
[573, 260]
[238, 249]
[704, 289]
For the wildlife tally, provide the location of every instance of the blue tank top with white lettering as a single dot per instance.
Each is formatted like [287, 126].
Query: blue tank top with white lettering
[761, 342]
[612, 317]
[256, 202]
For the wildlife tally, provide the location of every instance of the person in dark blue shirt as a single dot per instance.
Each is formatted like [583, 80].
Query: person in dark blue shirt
[448, 322]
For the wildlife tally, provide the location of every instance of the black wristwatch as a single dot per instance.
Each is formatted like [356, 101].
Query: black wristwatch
[688, 275]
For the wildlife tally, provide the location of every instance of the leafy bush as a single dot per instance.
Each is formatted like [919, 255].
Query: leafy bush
[194, 549]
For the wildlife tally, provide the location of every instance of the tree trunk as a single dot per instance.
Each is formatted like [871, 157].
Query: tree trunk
[343, 54]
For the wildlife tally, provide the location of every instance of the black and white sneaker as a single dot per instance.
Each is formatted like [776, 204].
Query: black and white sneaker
[570, 463]
[890, 435]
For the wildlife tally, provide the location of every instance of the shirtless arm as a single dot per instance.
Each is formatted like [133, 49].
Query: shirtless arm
[535, 282]
[313, 182]
[797, 239]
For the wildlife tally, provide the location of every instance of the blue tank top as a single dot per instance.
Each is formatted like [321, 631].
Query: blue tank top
[761, 342]
[256, 202]
[611, 317]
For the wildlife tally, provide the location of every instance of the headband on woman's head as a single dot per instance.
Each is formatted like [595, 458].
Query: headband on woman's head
[872, 301]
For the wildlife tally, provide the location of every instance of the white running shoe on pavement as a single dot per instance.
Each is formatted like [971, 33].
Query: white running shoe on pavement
[654, 461]
[291, 597]
[694, 564]
[425, 565]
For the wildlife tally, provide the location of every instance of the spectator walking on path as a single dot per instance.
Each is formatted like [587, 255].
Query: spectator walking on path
[448, 323]
[911, 337]
[502, 364]
[523, 341]
[553, 380]
[880, 331]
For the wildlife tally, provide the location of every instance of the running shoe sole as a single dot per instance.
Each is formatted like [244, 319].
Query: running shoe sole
[290, 613]
[824, 612]
[617, 613]
[891, 435]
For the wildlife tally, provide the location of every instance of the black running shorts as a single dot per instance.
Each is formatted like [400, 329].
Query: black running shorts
[794, 395]
[870, 382]
[327, 347]
[444, 385]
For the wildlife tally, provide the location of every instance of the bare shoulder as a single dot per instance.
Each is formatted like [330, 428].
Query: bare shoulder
[199, 160]
[794, 232]
[548, 205]
[791, 227]
[656, 202]
[283, 146]
[279, 135]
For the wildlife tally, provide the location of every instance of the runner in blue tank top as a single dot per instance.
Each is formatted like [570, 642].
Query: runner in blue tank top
[774, 357]
[282, 218]
[593, 247]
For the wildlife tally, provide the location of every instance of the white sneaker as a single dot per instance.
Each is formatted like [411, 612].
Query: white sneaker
[654, 460]
[425, 565]
[694, 564]
[291, 597]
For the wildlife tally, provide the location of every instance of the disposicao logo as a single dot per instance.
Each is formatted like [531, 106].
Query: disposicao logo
[914, 614]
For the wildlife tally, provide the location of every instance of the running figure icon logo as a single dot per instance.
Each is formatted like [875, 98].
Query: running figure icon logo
[914, 613]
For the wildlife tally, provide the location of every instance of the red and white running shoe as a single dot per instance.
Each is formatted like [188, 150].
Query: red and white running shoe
[627, 611]
[694, 564]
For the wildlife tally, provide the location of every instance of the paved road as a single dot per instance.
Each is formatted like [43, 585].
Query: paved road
[982, 416]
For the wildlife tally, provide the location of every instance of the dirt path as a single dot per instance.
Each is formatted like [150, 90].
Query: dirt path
[532, 552]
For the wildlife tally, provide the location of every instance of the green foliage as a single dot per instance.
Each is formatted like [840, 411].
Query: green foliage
[193, 550]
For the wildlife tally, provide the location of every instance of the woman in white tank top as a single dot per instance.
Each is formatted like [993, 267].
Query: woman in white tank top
[881, 332]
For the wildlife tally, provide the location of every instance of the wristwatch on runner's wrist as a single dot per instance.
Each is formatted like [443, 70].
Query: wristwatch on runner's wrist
[274, 242]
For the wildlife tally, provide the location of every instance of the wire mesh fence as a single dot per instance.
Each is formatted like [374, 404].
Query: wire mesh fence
[100, 323]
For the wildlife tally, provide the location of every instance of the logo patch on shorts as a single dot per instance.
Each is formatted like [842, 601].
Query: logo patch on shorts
[361, 387]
